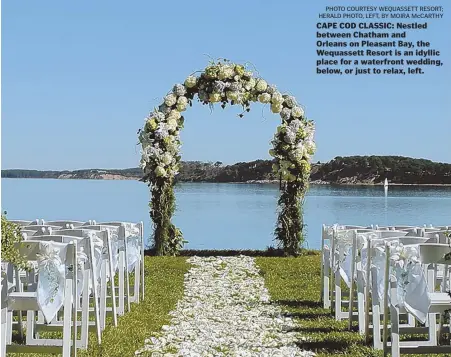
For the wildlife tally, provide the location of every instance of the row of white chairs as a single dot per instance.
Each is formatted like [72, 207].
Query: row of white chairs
[390, 272]
[73, 269]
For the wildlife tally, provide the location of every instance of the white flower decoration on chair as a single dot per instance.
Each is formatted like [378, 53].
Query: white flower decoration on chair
[51, 277]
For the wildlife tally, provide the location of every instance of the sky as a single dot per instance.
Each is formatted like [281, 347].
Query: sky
[79, 77]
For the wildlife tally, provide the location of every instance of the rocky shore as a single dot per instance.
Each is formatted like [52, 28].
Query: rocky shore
[97, 177]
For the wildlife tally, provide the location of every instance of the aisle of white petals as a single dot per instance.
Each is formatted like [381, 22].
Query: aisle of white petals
[225, 311]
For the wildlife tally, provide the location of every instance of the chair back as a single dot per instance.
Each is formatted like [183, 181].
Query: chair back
[81, 232]
[41, 230]
[389, 234]
[32, 249]
[403, 228]
[435, 253]
[441, 236]
[67, 224]
[60, 238]
[40, 227]
[406, 240]
[24, 223]
[444, 228]
[84, 233]
[347, 226]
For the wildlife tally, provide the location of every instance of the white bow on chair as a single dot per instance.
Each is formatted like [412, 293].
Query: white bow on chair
[132, 234]
[82, 258]
[343, 244]
[51, 276]
[412, 289]
[96, 264]
[115, 246]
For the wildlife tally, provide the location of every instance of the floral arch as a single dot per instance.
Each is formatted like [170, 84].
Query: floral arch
[226, 83]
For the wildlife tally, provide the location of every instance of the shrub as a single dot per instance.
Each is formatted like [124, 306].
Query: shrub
[11, 234]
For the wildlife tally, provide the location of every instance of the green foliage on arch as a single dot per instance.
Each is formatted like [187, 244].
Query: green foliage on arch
[226, 83]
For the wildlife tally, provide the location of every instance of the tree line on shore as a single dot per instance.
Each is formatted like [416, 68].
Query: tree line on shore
[340, 170]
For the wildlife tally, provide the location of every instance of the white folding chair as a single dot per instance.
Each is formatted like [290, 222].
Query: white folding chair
[363, 245]
[58, 260]
[134, 241]
[375, 270]
[342, 243]
[87, 277]
[108, 271]
[101, 253]
[326, 259]
[430, 254]
[327, 233]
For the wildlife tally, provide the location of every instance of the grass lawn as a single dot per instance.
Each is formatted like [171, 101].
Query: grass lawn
[294, 283]
[164, 287]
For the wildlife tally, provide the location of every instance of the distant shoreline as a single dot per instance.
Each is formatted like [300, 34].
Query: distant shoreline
[257, 182]
[341, 171]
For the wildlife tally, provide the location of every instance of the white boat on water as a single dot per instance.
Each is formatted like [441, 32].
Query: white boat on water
[386, 184]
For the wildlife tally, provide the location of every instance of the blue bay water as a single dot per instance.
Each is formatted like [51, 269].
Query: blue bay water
[225, 216]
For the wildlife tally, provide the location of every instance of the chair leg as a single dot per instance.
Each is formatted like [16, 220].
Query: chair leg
[127, 276]
[75, 304]
[361, 311]
[127, 285]
[337, 295]
[85, 311]
[113, 289]
[97, 314]
[332, 258]
[411, 320]
[394, 317]
[103, 293]
[40, 318]
[440, 329]
[433, 338]
[3, 331]
[326, 282]
[377, 336]
[142, 275]
[19, 287]
[351, 306]
[142, 259]
[67, 338]
[137, 280]
[30, 336]
[326, 302]
[113, 295]
[322, 296]
[121, 307]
